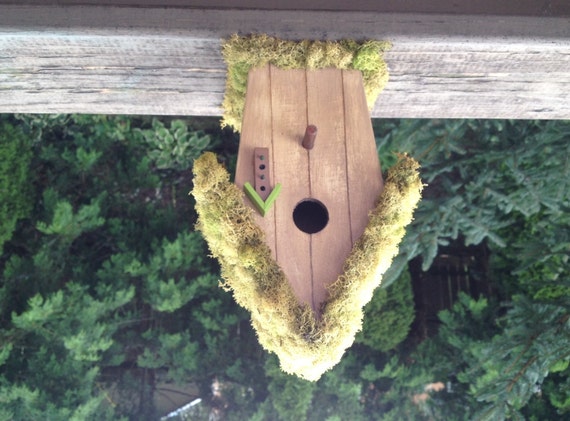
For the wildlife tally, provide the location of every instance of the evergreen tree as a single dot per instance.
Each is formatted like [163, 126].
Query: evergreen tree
[107, 294]
[389, 315]
[485, 176]
[106, 276]
[16, 194]
[513, 366]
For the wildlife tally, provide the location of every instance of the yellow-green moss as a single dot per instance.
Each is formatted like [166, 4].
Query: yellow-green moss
[306, 345]
[243, 53]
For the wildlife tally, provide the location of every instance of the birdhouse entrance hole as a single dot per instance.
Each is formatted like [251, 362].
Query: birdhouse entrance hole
[310, 216]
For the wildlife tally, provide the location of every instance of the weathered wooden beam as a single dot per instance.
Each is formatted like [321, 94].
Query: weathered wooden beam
[148, 60]
[553, 8]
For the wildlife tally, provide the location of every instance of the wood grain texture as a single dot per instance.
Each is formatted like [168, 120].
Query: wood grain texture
[364, 174]
[256, 133]
[486, 7]
[291, 166]
[167, 61]
[328, 168]
[286, 102]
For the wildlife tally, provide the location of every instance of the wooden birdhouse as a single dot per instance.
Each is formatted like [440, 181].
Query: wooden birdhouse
[308, 163]
[308, 229]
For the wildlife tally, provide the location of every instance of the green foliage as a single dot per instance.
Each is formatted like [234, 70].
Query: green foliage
[175, 148]
[388, 316]
[513, 366]
[406, 383]
[539, 258]
[491, 366]
[338, 395]
[174, 352]
[107, 276]
[67, 225]
[557, 390]
[484, 175]
[82, 160]
[163, 276]
[5, 352]
[289, 396]
[59, 338]
[16, 193]
[107, 296]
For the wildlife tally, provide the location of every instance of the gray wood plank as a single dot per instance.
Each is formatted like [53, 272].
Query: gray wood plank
[481, 7]
[132, 60]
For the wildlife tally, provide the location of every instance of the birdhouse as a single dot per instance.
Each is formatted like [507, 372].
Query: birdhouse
[309, 166]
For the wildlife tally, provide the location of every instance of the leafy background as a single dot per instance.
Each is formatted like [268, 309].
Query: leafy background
[110, 306]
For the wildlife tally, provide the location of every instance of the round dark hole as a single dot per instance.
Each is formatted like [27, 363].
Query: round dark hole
[262, 188]
[262, 167]
[310, 216]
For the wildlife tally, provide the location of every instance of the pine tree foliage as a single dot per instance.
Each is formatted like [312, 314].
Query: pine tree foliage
[339, 394]
[389, 315]
[15, 181]
[514, 365]
[175, 148]
[557, 388]
[107, 296]
[107, 276]
[68, 225]
[175, 352]
[290, 396]
[166, 286]
[405, 382]
[491, 370]
[484, 175]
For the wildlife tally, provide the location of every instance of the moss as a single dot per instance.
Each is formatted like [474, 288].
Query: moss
[243, 53]
[307, 344]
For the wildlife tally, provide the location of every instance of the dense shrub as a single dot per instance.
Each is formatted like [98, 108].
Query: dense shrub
[484, 178]
[16, 196]
[107, 295]
[388, 317]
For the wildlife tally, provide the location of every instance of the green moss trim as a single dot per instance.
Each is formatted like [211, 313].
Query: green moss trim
[243, 53]
[307, 345]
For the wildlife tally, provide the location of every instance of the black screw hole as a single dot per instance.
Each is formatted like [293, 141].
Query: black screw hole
[262, 188]
[262, 167]
[310, 216]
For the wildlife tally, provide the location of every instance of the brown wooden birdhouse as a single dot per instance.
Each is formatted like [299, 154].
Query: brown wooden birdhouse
[322, 192]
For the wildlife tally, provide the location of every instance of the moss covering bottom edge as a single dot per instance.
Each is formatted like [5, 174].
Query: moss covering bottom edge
[305, 344]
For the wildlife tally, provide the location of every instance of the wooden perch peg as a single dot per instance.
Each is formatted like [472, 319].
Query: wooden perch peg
[310, 136]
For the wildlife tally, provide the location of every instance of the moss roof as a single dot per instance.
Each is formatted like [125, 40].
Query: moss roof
[307, 345]
[243, 53]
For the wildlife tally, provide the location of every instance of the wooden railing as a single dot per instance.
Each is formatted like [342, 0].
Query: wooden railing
[109, 59]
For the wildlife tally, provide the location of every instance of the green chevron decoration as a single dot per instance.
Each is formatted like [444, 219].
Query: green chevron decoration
[262, 205]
